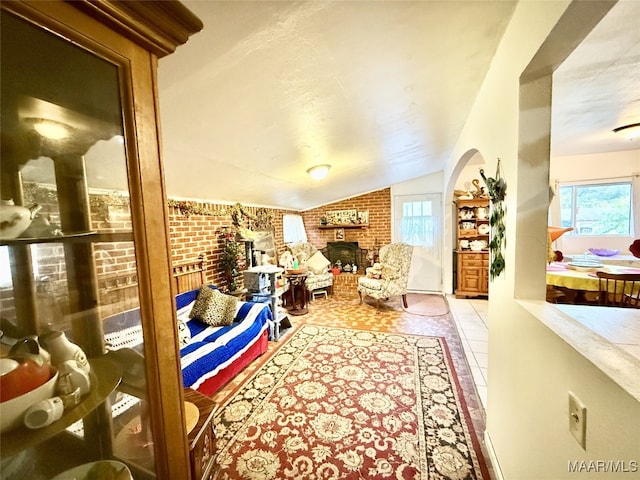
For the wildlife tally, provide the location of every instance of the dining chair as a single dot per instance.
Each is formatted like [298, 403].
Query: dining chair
[619, 289]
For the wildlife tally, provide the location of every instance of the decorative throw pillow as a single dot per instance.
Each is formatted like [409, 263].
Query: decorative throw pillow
[201, 304]
[214, 308]
[318, 263]
[184, 335]
[302, 258]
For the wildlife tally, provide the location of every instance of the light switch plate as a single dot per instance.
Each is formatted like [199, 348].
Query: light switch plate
[578, 420]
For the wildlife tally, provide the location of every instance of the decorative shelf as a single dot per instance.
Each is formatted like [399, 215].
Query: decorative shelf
[476, 235]
[346, 225]
[105, 376]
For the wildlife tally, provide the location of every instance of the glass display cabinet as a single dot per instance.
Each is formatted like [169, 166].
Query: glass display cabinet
[83, 237]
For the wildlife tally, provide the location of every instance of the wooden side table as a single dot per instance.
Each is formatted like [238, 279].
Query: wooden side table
[202, 441]
[297, 298]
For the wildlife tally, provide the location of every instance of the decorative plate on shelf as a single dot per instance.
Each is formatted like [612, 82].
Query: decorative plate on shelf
[484, 229]
[604, 252]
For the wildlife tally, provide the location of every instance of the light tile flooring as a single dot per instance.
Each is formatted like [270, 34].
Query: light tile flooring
[472, 320]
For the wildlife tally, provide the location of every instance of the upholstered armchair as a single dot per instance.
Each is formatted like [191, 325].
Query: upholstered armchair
[315, 262]
[389, 277]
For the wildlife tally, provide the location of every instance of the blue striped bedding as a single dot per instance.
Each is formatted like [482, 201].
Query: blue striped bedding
[213, 348]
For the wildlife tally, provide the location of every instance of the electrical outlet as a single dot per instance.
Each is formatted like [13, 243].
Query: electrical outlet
[578, 420]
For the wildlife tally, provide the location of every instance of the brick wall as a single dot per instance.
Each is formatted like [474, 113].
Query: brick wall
[377, 203]
[193, 235]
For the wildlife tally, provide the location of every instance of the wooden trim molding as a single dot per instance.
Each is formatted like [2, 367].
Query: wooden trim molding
[159, 27]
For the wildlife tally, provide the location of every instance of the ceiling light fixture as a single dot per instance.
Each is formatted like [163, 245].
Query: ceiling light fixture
[630, 131]
[319, 171]
[51, 129]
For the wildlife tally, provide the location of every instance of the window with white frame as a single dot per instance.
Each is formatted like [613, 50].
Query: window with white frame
[597, 208]
[418, 223]
[293, 229]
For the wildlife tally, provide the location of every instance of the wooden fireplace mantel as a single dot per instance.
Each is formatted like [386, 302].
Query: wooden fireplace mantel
[346, 225]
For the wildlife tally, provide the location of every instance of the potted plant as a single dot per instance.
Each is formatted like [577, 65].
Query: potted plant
[229, 264]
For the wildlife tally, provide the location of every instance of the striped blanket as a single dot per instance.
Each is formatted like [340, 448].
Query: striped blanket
[213, 348]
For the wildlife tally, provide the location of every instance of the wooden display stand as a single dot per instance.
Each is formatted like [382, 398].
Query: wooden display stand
[472, 222]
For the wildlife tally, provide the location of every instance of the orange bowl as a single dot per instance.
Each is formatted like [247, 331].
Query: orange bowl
[12, 411]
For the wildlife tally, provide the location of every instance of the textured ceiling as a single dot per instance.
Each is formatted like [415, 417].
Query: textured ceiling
[379, 90]
[598, 87]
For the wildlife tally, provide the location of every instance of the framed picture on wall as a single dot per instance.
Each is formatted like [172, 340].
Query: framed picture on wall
[338, 234]
[342, 217]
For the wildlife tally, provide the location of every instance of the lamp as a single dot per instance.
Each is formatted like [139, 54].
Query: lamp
[319, 171]
[630, 131]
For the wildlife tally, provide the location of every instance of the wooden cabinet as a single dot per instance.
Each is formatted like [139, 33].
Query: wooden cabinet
[202, 437]
[472, 247]
[80, 138]
[473, 274]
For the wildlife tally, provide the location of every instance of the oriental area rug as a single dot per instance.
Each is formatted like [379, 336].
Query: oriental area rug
[335, 403]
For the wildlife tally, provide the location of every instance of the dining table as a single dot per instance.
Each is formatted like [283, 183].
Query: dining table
[580, 284]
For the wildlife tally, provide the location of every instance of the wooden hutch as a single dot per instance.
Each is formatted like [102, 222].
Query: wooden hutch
[472, 247]
[88, 69]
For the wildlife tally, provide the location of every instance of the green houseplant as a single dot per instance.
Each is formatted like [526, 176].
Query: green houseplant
[229, 263]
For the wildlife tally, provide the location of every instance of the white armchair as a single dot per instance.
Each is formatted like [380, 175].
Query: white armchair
[390, 277]
[315, 262]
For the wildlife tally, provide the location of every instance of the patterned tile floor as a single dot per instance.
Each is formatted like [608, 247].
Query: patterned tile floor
[344, 310]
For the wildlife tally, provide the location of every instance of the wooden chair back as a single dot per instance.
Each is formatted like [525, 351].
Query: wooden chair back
[619, 289]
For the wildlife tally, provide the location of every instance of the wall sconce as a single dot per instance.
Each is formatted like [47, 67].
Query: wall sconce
[319, 171]
[51, 129]
[630, 131]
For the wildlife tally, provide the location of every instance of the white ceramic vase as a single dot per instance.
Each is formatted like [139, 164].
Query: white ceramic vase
[62, 349]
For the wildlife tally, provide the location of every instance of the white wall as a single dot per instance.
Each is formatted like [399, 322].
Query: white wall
[531, 370]
[421, 185]
[471, 172]
[585, 168]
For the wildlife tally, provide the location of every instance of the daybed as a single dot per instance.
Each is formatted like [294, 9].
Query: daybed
[213, 355]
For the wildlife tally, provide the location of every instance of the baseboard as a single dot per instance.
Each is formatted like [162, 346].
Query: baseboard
[495, 465]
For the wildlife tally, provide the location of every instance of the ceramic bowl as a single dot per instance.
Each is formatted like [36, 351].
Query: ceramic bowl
[604, 252]
[634, 248]
[12, 411]
[81, 470]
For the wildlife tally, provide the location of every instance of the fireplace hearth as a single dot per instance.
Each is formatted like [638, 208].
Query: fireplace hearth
[346, 252]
